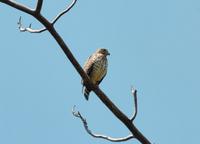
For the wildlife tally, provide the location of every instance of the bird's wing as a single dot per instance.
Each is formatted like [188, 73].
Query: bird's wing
[88, 66]
[101, 79]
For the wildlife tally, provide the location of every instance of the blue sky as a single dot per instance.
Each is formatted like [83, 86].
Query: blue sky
[154, 46]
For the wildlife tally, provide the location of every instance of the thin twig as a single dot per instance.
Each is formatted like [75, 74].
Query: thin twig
[39, 6]
[64, 11]
[134, 93]
[29, 29]
[78, 115]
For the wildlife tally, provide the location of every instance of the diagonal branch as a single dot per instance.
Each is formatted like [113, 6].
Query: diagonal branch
[39, 6]
[134, 93]
[29, 29]
[78, 115]
[100, 94]
[64, 11]
[18, 6]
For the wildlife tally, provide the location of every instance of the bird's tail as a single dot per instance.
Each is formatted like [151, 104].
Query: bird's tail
[86, 93]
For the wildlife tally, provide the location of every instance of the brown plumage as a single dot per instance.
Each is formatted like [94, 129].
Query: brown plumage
[96, 68]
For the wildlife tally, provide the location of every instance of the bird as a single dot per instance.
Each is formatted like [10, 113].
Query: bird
[96, 68]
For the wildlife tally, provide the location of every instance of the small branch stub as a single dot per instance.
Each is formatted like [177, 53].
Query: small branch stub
[134, 93]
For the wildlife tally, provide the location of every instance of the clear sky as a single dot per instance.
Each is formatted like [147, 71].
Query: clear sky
[154, 46]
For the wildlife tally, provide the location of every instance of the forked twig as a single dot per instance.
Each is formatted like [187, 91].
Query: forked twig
[29, 29]
[37, 12]
[78, 115]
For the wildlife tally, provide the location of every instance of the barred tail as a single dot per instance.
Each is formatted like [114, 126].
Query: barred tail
[86, 93]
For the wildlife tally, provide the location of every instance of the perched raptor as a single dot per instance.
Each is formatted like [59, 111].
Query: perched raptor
[96, 68]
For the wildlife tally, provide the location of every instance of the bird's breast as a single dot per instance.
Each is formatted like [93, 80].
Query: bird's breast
[99, 69]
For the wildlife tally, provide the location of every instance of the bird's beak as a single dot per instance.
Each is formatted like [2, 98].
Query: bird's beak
[108, 53]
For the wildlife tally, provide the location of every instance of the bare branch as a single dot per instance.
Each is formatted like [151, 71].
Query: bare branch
[29, 29]
[78, 115]
[64, 11]
[18, 6]
[101, 95]
[134, 93]
[39, 6]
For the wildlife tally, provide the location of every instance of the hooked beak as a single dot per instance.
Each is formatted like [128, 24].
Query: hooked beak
[108, 53]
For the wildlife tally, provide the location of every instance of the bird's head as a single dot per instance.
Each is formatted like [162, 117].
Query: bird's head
[103, 51]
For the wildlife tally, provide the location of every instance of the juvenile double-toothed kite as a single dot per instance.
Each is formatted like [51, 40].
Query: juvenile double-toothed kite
[96, 68]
